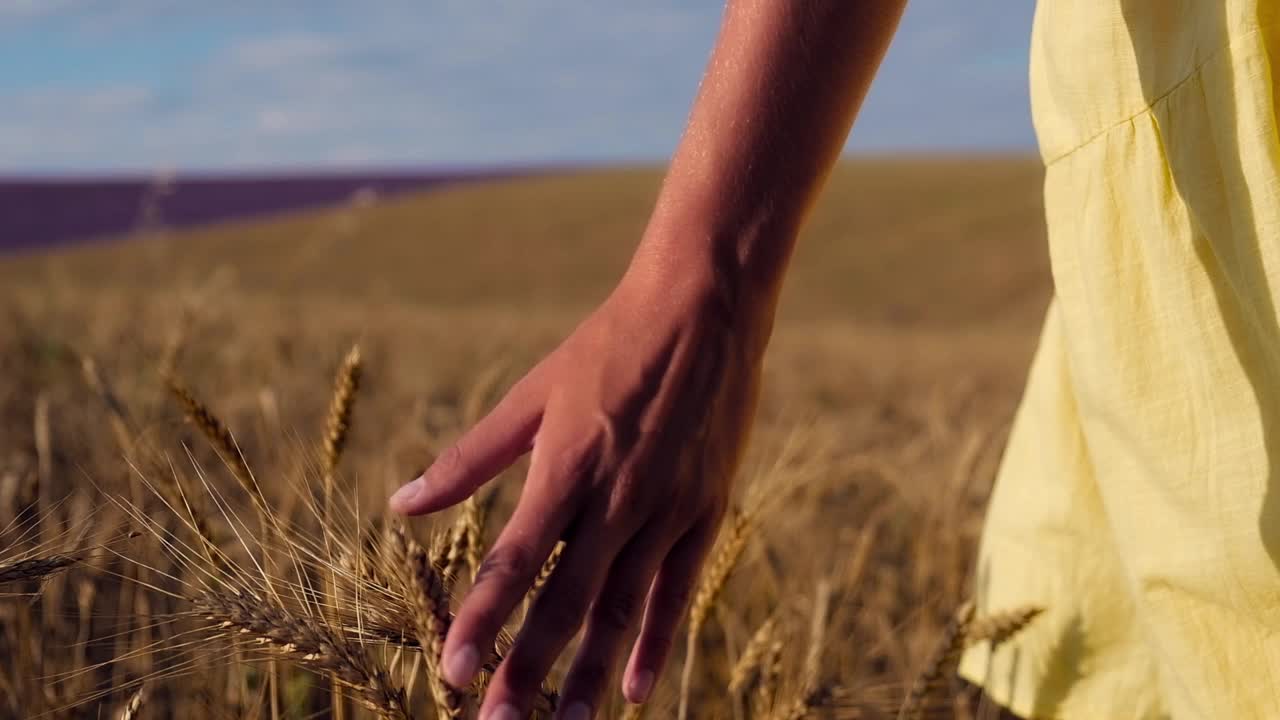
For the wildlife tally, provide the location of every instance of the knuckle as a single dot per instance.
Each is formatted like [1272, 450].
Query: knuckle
[610, 434]
[509, 562]
[523, 673]
[570, 462]
[563, 611]
[675, 599]
[659, 638]
[578, 459]
[617, 610]
[449, 461]
[686, 515]
[592, 675]
[628, 497]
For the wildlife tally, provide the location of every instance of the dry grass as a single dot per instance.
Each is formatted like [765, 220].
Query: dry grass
[266, 567]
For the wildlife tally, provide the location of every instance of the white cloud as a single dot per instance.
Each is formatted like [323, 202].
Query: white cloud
[458, 82]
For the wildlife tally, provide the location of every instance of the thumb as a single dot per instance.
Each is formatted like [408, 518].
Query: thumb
[488, 448]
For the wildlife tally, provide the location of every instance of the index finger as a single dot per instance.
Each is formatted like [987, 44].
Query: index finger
[488, 448]
[547, 504]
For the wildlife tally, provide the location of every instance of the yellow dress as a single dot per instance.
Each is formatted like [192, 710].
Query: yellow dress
[1139, 498]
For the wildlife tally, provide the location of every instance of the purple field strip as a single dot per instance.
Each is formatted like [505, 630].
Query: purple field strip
[40, 213]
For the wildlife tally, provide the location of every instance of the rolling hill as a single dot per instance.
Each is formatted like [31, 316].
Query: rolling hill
[954, 242]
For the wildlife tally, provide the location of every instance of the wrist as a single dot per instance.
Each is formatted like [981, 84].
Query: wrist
[731, 273]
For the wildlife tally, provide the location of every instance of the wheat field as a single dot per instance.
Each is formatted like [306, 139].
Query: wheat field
[200, 431]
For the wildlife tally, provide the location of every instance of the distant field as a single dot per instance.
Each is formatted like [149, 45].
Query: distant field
[39, 213]
[906, 327]
[932, 242]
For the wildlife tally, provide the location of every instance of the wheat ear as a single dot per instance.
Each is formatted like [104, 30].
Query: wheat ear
[222, 441]
[770, 678]
[817, 634]
[117, 416]
[547, 699]
[131, 709]
[936, 679]
[429, 601]
[338, 422]
[719, 571]
[1000, 627]
[803, 707]
[450, 554]
[544, 573]
[35, 568]
[472, 521]
[746, 671]
[305, 642]
[708, 592]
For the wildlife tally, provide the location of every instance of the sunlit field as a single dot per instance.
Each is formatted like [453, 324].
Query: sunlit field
[199, 431]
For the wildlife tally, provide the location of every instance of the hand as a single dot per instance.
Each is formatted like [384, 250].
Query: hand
[636, 424]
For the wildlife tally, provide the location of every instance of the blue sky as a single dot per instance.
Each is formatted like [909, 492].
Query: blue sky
[124, 85]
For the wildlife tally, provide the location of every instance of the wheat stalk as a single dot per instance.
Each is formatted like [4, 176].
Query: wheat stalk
[223, 443]
[544, 574]
[719, 571]
[131, 709]
[337, 424]
[450, 552]
[126, 435]
[117, 416]
[708, 591]
[34, 568]
[770, 677]
[803, 706]
[472, 521]
[305, 642]
[747, 669]
[817, 634]
[338, 421]
[936, 679]
[425, 591]
[547, 699]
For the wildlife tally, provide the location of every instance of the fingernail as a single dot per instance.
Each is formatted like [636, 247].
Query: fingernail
[406, 494]
[641, 685]
[578, 711]
[505, 711]
[461, 665]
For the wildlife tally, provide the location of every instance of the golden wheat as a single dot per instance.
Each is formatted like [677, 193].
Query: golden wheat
[131, 709]
[713, 581]
[933, 684]
[999, 627]
[338, 421]
[746, 671]
[817, 634]
[450, 556]
[429, 601]
[472, 520]
[255, 624]
[544, 572]
[222, 441]
[36, 568]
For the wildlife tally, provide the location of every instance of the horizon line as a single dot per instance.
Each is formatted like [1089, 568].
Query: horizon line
[478, 170]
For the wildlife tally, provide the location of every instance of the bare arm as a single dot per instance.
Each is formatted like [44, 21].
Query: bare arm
[778, 98]
[637, 421]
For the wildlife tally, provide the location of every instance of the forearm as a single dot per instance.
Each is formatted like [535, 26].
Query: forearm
[780, 93]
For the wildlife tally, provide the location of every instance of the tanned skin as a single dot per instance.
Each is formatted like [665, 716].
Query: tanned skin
[637, 421]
